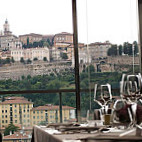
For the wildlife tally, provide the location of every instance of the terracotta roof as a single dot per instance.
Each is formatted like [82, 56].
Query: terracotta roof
[18, 135]
[99, 43]
[16, 102]
[31, 34]
[15, 98]
[63, 33]
[51, 107]
[46, 36]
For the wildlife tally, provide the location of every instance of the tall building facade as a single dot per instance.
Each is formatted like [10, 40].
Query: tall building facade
[50, 114]
[31, 53]
[20, 112]
[63, 39]
[15, 110]
[32, 37]
[98, 49]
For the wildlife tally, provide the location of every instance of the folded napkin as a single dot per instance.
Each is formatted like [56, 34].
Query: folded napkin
[52, 131]
[71, 141]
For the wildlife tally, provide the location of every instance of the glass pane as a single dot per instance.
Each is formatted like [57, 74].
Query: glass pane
[110, 46]
[36, 49]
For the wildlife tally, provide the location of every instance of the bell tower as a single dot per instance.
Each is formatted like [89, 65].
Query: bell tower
[6, 28]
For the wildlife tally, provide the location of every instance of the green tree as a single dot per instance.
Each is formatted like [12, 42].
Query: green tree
[29, 61]
[12, 60]
[35, 59]
[48, 41]
[127, 48]
[135, 47]
[35, 44]
[64, 56]
[90, 69]
[7, 61]
[22, 60]
[27, 41]
[11, 128]
[112, 51]
[41, 43]
[120, 49]
[44, 59]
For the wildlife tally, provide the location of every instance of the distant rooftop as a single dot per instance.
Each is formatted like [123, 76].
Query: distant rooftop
[31, 34]
[100, 43]
[63, 33]
[18, 136]
[15, 98]
[51, 107]
[16, 102]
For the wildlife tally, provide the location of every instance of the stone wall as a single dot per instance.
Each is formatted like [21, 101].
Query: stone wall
[17, 70]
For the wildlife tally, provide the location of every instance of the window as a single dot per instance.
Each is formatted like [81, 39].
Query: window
[2, 111]
[91, 65]
[15, 111]
[2, 121]
[15, 121]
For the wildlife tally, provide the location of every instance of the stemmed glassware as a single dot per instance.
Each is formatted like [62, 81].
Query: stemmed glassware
[104, 100]
[127, 106]
[96, 117]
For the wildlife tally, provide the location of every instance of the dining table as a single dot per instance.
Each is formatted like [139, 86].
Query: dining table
[79, 133]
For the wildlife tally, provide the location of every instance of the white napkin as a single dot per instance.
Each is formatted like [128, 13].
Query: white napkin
[71, 141]
[52, 131]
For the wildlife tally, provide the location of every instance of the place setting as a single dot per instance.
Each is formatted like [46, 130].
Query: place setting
[121, 117]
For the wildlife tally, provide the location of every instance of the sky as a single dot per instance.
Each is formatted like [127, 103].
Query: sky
[98, 20]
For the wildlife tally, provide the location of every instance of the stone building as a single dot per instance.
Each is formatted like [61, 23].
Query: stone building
[30, 53]
[20, 112]
[15, 110]
[7, 37]
[32, 37]
[55, 54]
[98, 49]
[48, 37]
[50, 114]
[63, 39]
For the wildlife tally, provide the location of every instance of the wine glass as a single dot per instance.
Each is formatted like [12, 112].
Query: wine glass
[130, 93]
[104, 100]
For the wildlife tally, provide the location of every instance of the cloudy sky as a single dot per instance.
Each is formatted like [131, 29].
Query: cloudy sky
[98, 20]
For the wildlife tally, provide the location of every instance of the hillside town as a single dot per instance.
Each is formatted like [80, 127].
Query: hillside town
[36, 54]
[46, 47]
